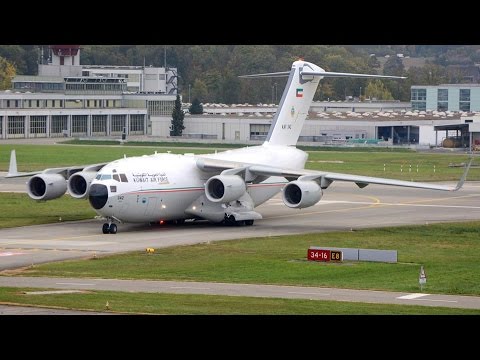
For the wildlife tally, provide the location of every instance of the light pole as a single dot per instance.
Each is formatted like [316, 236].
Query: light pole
[360, 97]
[189, 94]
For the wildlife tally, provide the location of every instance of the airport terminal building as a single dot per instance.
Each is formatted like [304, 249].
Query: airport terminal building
[67, 99]
[383, 126]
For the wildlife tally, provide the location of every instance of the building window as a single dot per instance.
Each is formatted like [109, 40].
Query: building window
[99, 124]
[38, 103]
[58, 125]
[38, 125]
[79, 125]
[137, 124]
[464, 104]
[259, 131]
[16, 127]
[442, 100]
[133, 77]
[419, 99]
[158, 107]
[118, 123]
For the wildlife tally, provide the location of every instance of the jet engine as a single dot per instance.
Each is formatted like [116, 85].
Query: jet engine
[79, 184]
[301, 194]
[224, 188]
[46, 186]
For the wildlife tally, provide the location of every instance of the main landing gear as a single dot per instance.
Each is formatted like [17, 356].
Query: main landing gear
[230, 221]
[109, 228]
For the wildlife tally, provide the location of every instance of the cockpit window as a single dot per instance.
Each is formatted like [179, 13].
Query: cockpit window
[106, 177]
[123, 177]
[116, 177]
[98, 177]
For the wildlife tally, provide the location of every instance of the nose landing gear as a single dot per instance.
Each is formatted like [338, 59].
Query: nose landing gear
[109, 228]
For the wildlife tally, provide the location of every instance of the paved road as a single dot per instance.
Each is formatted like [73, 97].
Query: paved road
[344, 207]
[26, 310]
[270, 291]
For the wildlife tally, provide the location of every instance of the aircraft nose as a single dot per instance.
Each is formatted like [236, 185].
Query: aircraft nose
[98, 196]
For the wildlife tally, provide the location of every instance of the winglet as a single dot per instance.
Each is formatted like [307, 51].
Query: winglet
[464, 176]
[12, 169]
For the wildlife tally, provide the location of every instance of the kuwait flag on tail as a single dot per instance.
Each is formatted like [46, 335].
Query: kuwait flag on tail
[299, 92]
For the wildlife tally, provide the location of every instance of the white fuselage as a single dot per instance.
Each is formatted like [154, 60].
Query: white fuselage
[162, 186]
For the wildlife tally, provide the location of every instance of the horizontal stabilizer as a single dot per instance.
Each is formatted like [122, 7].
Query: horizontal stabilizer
[275, 74]
[339, 74]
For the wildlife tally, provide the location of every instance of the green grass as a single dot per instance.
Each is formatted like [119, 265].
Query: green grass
[38, 157]
[431, 167]
[449, 253]
[163, 144]
[173, 304]
[229, 146]
[19, 210]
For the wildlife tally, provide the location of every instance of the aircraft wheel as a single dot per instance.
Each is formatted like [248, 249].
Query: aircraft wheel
[249, 222]
[229, 221]
[105, 228]
[113, 229]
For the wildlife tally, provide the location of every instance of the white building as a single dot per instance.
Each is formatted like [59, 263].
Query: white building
[68, 99]
[446, 97]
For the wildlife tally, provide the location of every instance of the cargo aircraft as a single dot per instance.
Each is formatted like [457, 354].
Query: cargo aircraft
[224, 187]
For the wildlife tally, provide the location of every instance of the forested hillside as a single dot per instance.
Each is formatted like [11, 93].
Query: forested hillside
[211, 71]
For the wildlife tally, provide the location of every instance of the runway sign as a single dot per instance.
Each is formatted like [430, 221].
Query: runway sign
[324, 255]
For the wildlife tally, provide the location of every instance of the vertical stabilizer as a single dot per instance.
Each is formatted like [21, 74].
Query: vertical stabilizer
[12, 169]
[294, 105]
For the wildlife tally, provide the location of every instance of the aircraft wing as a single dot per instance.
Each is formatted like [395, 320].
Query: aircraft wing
[324, 178]
[64, 171]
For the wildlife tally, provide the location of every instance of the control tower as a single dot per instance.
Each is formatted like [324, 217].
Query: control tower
[65, 54]
[64, 61]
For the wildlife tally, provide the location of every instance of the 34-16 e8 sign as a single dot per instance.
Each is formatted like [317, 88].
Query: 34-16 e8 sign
[324, 255]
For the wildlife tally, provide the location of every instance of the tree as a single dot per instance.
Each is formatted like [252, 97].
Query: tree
[199, 89]
[394, 66]
[7, 73]
[196, 107]
[376, 89]
[177, 119]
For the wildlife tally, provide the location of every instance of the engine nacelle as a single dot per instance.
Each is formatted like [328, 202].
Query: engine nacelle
[301, 194]
[46, 186]
[79, 184]
[224, 188]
